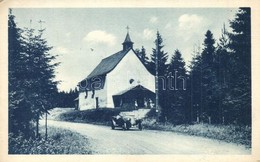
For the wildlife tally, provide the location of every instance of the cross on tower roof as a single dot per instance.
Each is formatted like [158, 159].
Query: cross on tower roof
[127, 43]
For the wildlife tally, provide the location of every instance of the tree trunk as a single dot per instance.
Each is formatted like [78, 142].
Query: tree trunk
[37, 127]
[46, 128]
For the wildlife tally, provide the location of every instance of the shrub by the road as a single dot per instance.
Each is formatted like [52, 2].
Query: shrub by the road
[96, 116]
[229, 133]
[59, 141]
[54, 113]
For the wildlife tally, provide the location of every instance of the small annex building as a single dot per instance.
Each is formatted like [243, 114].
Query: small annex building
[119, 80]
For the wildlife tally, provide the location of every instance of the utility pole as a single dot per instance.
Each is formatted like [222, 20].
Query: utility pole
[157, 107]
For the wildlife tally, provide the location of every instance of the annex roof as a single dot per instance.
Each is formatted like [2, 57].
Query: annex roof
[137, 87]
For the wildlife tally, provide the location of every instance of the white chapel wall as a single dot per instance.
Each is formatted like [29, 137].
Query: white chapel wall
[89, 102]
[130, 67]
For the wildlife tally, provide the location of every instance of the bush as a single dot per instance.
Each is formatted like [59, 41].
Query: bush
[60, 141]
[97, 116]
[229, 133]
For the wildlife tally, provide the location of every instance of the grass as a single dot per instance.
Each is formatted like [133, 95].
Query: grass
[54, 113]
[229, 133]
[95, 116]
[59, 141]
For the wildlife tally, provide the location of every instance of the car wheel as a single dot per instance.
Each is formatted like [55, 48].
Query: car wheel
[124, 126]
[112, 125]
[140, 126]
[128, 125]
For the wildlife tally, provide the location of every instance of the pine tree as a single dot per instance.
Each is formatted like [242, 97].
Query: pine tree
[178, 63]
[195, 82]
[41, 87]
[177, 93]
[239, 99]
[162, 58]
[142, 55]
[208, 50]
[223, 73]
[204, 91]
[19, 110]
[162, 74]
[210, 88]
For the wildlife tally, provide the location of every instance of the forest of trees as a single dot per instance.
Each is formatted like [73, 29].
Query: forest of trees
[66, 99]
[218, 80]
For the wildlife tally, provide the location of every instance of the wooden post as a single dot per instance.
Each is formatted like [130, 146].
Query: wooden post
[198, 117]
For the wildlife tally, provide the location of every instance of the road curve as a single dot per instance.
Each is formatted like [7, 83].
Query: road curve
[103, 140]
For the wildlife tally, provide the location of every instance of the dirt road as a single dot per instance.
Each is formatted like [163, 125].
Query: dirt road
[103, 140]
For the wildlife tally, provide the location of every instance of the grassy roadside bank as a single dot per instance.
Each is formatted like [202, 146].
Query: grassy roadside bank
[94, 116]
[229, 133]
[60, 141]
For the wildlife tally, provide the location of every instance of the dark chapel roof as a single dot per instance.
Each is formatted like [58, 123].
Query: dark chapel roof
[108, 64]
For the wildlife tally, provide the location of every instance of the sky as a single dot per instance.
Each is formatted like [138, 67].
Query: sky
[82, 37]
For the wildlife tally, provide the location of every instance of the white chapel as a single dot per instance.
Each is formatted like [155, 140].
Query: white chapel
[120, 80]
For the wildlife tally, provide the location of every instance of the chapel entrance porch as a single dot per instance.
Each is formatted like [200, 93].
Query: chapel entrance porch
[134, 98]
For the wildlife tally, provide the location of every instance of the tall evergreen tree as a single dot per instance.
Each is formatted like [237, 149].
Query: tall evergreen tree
[162, 73]
[162, 58]
[223, 73]
[40, 77]
[240, 44]
[208, 50]
[142, 55]
[178, 63]
[195, 87]
[19, 110]
[204, 89]
[176, 89]
[210, 88]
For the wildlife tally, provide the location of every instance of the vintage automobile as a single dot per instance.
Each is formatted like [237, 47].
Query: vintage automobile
[126, 121]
